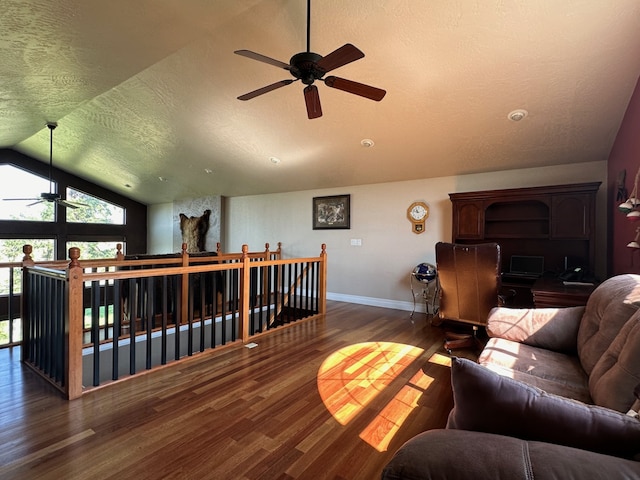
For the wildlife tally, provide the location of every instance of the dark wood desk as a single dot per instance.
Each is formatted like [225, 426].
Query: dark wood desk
[516, 290]
[551, 292]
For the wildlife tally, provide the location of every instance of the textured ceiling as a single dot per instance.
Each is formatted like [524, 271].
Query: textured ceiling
[147, 88]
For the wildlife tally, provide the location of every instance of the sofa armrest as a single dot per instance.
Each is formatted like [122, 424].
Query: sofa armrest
[460, 454]
[550, 328]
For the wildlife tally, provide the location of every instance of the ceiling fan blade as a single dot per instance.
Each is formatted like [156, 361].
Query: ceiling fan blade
[263, 58]
[356, 88]
[343, 55]
[312, 100]
[64, 203]
[19, 199]
[35, 203]
[268, 88]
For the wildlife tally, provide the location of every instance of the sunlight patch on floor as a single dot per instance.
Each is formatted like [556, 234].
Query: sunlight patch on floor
[440, 359]
[349, 379]
[379, 433]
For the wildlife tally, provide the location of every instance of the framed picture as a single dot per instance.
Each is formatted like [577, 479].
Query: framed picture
[331, 212]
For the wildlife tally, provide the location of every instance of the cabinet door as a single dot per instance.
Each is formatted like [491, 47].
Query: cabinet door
[571, 216]
[468, 220]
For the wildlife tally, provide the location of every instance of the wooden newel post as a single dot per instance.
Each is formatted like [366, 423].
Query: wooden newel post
[74, 256]
[323, 279]
[119, 254]
[265, 272]
[184, 290]
[244, 293]
[27, 261]
[74, 326]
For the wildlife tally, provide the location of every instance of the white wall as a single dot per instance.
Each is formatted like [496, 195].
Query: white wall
[164, 223]
[160, 228]
[377, 273]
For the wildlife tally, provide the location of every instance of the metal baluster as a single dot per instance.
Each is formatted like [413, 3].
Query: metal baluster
[117, 327]
[149, 317]
[95, 330]
[165, 315]
[134, 293]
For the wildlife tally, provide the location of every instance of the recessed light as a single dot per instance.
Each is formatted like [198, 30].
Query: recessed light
[208, 171]
[274, 160]
[162, 179]
[367, 142]
[517, 115]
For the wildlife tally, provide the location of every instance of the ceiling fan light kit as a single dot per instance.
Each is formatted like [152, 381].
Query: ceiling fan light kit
[309, 67]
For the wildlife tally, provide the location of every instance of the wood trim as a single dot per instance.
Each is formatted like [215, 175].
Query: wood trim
[323, 280]
[74, 327]
[515, 193]
[244, 292]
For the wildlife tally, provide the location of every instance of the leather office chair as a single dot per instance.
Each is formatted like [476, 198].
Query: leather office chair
[470, 285]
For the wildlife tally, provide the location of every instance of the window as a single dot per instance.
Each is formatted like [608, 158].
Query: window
[10, 332]
[16, 183]
[11, 249]
[93, 250]
[11, 282]
[93, 209]
[96, 228]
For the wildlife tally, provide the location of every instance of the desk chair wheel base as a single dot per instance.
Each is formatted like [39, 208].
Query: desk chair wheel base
[455, 340]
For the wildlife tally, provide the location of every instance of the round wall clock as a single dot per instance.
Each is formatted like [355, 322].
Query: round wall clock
[417, 213]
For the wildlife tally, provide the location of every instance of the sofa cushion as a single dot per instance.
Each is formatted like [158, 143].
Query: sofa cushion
[553, 372]
[550, 328]
[618, 371]
[461, 455]
[487, 402]
[608, 309]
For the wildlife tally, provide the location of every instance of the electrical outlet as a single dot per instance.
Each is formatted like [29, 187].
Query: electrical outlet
[356, 242]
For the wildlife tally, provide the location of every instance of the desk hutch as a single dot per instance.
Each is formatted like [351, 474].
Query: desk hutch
[556, 222]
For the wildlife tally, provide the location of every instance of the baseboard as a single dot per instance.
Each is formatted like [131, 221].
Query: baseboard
[377, 302]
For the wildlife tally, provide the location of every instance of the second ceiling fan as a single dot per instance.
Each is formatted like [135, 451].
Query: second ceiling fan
[309, 67]
[51, 196]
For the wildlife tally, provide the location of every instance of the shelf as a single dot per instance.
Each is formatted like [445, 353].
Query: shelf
[521, 228]
[533, 236]
[518, 219]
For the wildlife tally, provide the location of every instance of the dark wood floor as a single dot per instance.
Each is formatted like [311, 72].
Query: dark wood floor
[326, 399]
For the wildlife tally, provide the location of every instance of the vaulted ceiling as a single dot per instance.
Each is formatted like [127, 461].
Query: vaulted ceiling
[148, 88]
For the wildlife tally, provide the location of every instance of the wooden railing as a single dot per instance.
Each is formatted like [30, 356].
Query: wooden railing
[11, 280]
[90, 323]
[10, 283]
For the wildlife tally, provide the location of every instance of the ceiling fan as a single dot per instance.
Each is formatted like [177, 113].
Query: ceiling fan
[309, 67]
[50, 196]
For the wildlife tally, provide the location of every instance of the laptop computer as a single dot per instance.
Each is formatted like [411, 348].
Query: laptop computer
[526, 266]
